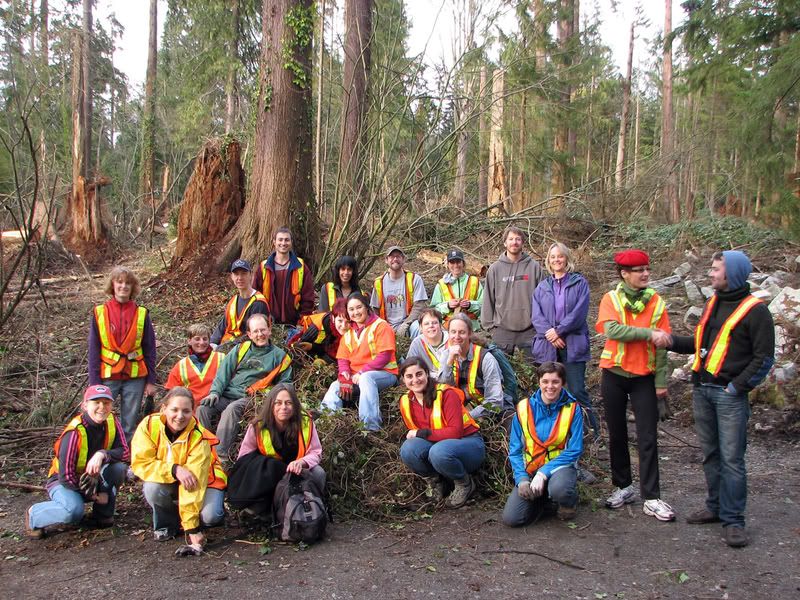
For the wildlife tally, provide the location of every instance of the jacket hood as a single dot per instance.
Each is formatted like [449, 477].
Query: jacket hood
[523, 259]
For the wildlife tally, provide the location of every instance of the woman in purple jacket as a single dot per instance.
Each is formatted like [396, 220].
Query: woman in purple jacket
[559, 309]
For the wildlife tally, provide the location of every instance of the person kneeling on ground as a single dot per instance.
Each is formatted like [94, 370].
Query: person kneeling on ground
[88, 466]
[443, 441]
[197, 370]
[184, 481]
[281, 439]
[545, 468]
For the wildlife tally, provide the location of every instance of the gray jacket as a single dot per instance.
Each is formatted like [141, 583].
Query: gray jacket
[508, 291]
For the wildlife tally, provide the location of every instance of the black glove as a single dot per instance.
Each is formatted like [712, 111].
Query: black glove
[664, 411]
[88, 485]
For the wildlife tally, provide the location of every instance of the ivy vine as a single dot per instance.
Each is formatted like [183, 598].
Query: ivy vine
[300, 21]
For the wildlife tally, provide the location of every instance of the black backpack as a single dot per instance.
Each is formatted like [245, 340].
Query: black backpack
[298, 510]
[510, 383]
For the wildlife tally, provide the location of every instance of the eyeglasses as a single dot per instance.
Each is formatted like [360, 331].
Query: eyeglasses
[640, 270]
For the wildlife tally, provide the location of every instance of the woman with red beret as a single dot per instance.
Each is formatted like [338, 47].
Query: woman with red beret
[634, 319]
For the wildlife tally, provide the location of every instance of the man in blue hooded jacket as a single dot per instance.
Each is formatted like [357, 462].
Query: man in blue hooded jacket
[734, 348]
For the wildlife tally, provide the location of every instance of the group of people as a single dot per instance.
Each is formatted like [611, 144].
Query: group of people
[182, 453]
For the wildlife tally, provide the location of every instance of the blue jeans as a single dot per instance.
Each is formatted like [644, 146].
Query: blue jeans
[576, 385]
[370, 385]
[130, 392]
[720, 419]
[561, 488]
[453, 458]
[67, 506]
[163, 498]
[223, 418]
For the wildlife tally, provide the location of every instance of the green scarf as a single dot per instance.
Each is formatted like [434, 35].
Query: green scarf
[633, 300]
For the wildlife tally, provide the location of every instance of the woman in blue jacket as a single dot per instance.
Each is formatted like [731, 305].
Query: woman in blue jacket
[559, 309]
[544, 447]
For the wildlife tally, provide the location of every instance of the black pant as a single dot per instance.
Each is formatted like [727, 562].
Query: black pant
[616, 390]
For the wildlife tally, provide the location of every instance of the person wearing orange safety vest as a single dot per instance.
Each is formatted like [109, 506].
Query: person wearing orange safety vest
[319, 334]
[734, 349]
[399, 296]
[247, 301]
[281, 439]
[458, 291]
[286, 281]
[197, 370]
[544, 447]
[89, 464]
[443, 442]
[122, 347]
[251, 366]
[345, 282]
[184, 482]
[367, 359]
[634, 320]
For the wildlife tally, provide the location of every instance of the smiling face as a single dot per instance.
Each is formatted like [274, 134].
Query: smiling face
[636, 277]
[241, 279]
[415, 379]
[513, 244]
[341, 323]
[458, 334]
[177, 412]
[282, 408]
[283, 243]
[258, 330]
[719, 279]
[431, 329]
[557, 261]
[97, 409]
[357, 310]
[345, 274]
[551, 386]
[199, 343]
[122, 289]
[396, 261]
[456, 267]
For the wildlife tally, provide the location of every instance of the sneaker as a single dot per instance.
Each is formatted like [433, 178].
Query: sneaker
[659, 509]
[701, 517]
[566, 513]
[35, 533]
[463, 490]
[434, 488]
[621, 496]
[163, 534]
[735, 536]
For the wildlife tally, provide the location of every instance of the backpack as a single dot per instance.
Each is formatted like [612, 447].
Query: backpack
[510, 385]
[298, 511]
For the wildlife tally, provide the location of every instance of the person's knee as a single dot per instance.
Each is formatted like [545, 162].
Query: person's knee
[114, 474]
[512, 515]
[441, 454]
[75, 511]
[212, 514]
[204, 414]
[157, 494]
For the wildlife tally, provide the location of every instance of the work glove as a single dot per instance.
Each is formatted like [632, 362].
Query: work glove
[210, 400]
[189, 550]
[345, 387]
[88, 485]
[664, 411]
[402, 330]
[524, 490]
[538, 484]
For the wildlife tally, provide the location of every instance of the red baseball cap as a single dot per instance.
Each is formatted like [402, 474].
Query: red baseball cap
[95, 392]
[632, 258]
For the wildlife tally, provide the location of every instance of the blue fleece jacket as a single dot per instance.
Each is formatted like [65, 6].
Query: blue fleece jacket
[544, 418]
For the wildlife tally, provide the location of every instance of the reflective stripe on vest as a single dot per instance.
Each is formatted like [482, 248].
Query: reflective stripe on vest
[719, 349]
[77, 426]
[475, 395]
[298, 276]
[234, 320]
[189, 373]
[437, 415]
[265, 381]
[470, 293]
[126, 358]
[613, 354]
[353, 340]
[318, 321]
[382, 300]
[303, 440]
[536, 453]
[330, 290]
[432, 355]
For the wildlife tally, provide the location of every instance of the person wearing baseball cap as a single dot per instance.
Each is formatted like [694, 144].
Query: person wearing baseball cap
[247, 301]
[399, 296]
[88, 466]
[634, 320]
[458, 291]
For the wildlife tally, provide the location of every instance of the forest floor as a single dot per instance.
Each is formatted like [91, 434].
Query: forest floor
[430, 553]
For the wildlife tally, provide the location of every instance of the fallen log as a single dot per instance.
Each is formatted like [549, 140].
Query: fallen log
[28, 487]
[440, 258]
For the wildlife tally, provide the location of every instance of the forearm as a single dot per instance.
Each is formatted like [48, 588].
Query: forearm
[625, 333]
[378, 363]
[416, 311]
[149, 350]
[683, 344]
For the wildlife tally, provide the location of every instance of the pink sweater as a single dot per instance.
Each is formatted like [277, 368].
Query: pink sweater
[312, 457]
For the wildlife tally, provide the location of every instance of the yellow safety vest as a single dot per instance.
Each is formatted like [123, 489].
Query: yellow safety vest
[470, 293]
[234, 320]
[295, 283]
[437, 416]
[382, 300]
[475, 395]
[76, 425]
[126, 358]
[303, 440]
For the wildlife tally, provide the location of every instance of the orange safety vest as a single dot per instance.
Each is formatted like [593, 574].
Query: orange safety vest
[217, 478]
[193, 378]
[536, 453]
[76, 425]
[475, 395]
[125, 358]
[437, 416]
[316, 320]
[234, 320]
[352, 341]
[719, 349]
[637, 357]
[382, 300]
[265, 382]
[470, 293]
[303, 440]
[295, 283]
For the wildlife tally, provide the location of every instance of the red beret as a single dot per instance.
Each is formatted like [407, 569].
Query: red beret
[631, 258]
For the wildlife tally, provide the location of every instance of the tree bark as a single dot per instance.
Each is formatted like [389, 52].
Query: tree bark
[280, 187]
[318, 159]
[619, 175]
[561, 144]
[231, 104]
[86, 62]
[498, 189]
[483, 187]
[44, 33]
[148, 130]
[668, 124]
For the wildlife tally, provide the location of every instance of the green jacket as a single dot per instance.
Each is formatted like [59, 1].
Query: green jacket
[232, 379]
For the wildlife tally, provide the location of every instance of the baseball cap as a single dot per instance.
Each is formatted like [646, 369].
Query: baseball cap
[455, 254]
[240, 263]
[391, 249]
[95, 392]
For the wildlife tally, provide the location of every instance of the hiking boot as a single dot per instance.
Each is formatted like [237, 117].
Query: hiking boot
[621, 496]
[463, 490]
[735, 536]
[434, 488]
[566, 513]
[659, 509]
[35, 533]
[586, 476]
[702, 517]
[163, 534]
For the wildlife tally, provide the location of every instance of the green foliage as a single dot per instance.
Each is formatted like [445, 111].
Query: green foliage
[300, 21]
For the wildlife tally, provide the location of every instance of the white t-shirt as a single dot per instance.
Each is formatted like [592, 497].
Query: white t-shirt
[394, 292]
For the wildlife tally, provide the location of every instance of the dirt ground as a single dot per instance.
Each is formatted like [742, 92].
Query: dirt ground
[603, 554]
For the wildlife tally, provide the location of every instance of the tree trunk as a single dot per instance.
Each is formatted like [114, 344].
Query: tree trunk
[213, 200]
[561, 144]
[672, 205]
[44, 33]
[623, 123]
[86, 62]
[636, 144]
[357, 58]
[498, 190]
[318, 158]
[280, 187]
[483, 187]
[231, 104]
[518, 199]
[148, 125]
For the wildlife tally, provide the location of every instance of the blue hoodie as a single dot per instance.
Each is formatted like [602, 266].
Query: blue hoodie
[737, 268]
[544, 417]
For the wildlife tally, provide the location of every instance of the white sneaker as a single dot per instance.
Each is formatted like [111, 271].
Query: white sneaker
[621, 496]
[659, 509]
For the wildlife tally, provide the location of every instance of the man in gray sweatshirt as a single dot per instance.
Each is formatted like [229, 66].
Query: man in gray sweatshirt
[507, 293]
